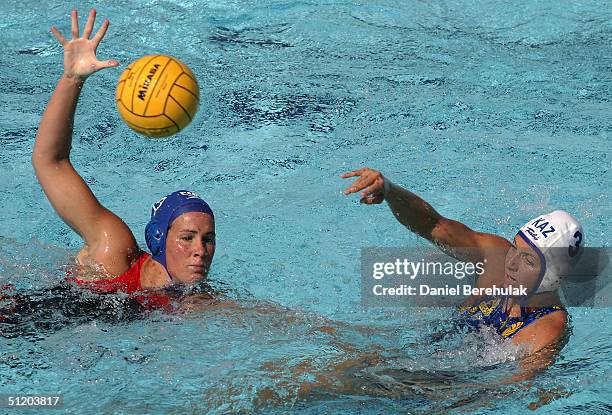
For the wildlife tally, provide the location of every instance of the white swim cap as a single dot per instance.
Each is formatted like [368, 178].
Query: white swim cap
[558, 239]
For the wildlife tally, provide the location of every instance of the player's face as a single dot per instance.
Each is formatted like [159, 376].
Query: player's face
[522, 266]
[190, 246]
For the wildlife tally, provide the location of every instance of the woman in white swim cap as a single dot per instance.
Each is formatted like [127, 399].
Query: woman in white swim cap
[541, 252]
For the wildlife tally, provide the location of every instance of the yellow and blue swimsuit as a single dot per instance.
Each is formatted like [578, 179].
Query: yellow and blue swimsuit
[490, 312]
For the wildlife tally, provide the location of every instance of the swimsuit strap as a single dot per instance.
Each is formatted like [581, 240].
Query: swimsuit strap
[490, 311]
[515, 324]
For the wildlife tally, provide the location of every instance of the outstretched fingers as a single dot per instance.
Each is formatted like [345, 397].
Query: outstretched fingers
[100, 34]
[357, 185]
[370, 183]
[80, 59]
[75, 24]
[107, 64]
[353, 173]
[61, 39]
[90, 24]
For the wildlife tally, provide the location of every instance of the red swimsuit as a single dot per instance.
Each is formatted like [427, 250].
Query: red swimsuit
[129, 283]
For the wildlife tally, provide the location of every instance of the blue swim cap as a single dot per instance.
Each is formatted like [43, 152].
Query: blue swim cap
[164, 212]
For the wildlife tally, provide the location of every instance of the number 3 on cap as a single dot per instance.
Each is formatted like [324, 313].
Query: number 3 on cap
[573, 250]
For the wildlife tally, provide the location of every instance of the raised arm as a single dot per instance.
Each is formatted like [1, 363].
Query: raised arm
[421, 218]
[108, 240]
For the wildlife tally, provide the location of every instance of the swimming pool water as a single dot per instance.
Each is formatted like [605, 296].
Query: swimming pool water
[492, 111]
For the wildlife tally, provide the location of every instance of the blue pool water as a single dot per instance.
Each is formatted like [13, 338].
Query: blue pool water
[492, 111]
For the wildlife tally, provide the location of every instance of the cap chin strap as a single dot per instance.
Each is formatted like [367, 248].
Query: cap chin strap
[542, 260]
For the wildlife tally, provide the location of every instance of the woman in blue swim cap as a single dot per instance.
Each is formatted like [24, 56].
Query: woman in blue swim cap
[181, 232]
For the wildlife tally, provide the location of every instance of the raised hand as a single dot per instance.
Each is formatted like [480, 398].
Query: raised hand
[371, 183]
[80, 59]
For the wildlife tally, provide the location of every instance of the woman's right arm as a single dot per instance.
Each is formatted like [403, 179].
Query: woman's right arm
[420, 217]
[108, 240]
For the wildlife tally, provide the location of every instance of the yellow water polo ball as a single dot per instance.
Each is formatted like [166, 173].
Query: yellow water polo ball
[157, 96]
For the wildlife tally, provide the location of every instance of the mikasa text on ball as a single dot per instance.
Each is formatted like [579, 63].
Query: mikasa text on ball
[157, 95]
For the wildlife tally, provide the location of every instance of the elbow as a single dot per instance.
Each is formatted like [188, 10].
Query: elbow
[37, 157]
[35, 160]
[42, 158]
[434, 228]
[39, 166]
[38, 161]
[43, 164]
[440, 229]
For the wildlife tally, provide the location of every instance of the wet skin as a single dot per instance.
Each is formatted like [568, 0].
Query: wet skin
[190, 247]
[522, 265]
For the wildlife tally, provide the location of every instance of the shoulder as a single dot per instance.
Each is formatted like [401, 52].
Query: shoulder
[115, 248]
[544, 331]
[101, 263]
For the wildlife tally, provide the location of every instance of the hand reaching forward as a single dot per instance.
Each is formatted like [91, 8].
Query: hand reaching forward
[371, 183]
[80, 59]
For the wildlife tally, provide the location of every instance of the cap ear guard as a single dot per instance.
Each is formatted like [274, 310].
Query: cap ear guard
[154, 237]
[558, 239]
